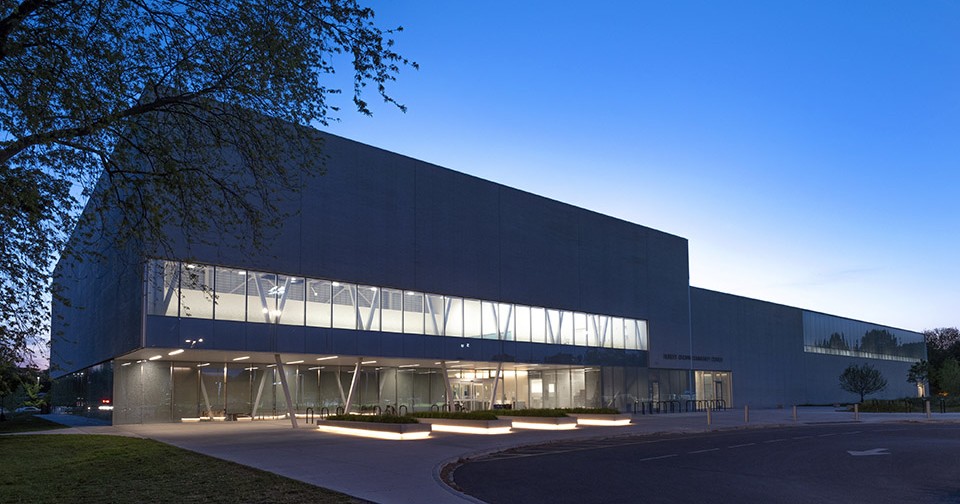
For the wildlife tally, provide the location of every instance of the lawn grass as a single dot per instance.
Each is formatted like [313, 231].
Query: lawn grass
[26, 422]
[88, 468]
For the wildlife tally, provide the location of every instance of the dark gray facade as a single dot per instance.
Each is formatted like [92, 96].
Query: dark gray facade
[763, 344]
[398, 224]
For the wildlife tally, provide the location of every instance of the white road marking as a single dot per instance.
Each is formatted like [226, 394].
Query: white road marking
[803, 437]
[658, 458]
[828, 435]
[705, 451]
[774, 440]
[741, 445]
[868, 453]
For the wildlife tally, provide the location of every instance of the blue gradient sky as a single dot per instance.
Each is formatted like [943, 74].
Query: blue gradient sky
[808, 150]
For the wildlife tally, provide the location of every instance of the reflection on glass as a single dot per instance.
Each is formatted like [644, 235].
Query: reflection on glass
[838, 336]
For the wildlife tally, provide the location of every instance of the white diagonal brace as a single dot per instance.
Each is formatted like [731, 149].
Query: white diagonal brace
[353, 385]
[286, 391]
[496, 382]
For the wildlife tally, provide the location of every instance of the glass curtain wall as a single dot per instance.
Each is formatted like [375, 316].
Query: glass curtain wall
[221, 293]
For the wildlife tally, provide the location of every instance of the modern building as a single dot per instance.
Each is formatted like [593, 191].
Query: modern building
[394, 283]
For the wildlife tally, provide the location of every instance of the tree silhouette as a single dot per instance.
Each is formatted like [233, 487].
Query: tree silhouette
[862, 380]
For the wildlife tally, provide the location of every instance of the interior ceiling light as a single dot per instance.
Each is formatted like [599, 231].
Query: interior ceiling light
[335, 284]
[327, 358]
[314, 368]
[369, 362]
[410, 365]
[203, 364]
[155, 357]
[296, 362]
[245, 357]
[176, 352]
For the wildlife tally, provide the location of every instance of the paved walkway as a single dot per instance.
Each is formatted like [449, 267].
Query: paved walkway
[408, 471]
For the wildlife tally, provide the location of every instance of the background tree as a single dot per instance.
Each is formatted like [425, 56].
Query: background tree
[942, 344]
[131, 93]
[9, 381]
[919, 372]
[948, 376]
[864, 380]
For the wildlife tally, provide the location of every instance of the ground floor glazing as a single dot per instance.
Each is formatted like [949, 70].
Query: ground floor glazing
[170, 390]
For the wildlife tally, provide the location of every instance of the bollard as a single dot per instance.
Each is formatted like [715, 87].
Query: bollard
[856, 411]
[709, 418]
[746, 413]
[794, 412]
[928, 409]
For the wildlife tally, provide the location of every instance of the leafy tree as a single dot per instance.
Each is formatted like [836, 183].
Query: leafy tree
[949, 376]
[942, 338]
[919, 372]
[9, 381]
[145, 95]
[942, 344]
[863, 380]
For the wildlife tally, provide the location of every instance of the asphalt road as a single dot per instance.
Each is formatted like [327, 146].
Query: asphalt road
[836, 463]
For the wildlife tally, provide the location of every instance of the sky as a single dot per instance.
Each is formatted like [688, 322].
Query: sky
[808, 151]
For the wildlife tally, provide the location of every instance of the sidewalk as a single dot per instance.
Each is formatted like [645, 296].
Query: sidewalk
[408, 471]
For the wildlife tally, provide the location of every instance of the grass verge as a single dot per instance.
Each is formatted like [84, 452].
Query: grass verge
[87, 468]
[27, 422]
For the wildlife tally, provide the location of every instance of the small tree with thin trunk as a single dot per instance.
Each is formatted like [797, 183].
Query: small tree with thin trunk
[863, 380]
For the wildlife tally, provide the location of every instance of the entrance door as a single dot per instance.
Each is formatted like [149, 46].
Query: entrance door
[469, 395]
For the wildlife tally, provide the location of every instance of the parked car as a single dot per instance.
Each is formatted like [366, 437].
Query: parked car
[27, 409]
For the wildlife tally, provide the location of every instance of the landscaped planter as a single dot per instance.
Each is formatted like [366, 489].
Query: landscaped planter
[394, 431]
[535, 422]
[499, 426]
[602, 419]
